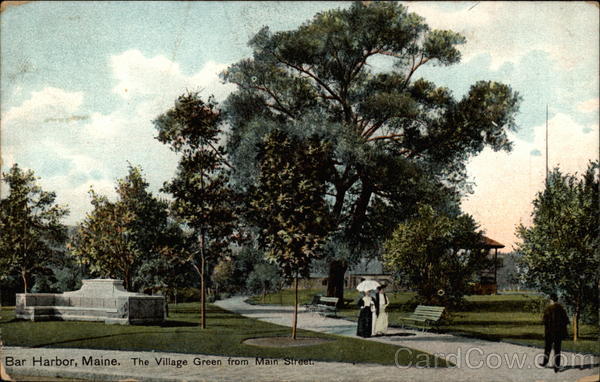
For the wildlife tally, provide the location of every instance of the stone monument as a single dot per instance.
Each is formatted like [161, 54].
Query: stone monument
[97, 300]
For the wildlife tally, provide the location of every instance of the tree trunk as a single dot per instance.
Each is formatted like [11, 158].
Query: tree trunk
[335, 281]
[295, 320]
[202, 285]
[127, 281]
[25, 277]
[576, 320]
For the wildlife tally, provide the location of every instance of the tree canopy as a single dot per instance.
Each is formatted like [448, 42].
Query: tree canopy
[348, 76]
[560, 251]
[288, 205]
[437, 255]
[117, 237]
[30, 226]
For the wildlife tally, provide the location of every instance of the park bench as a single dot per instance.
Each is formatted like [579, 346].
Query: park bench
[323, 304]
[424, 317]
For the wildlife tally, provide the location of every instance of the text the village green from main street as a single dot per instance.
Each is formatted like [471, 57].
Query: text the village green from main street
[40, 361]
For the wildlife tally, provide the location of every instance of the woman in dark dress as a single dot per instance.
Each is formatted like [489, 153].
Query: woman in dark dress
[365, 317]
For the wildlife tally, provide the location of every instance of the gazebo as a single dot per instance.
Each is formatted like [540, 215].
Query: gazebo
[491, 244]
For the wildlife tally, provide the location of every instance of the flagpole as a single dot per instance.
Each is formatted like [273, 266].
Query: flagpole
[546, 143]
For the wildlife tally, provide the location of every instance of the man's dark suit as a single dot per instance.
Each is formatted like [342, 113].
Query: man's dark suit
[555, 329]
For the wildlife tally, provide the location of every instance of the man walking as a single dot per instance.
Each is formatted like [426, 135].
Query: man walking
[555, 329]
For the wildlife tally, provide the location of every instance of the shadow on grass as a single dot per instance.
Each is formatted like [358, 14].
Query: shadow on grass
[493, 337]
[496, 323]
[94, 338]
[397, 335]
[494, 306]
[177, 324]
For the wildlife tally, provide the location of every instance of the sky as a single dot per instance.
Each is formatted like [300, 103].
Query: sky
[81, 83]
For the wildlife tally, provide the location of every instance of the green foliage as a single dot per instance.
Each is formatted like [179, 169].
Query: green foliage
[560, 250]
[391, 134]
[263, 279]
[31, 233]
[287, 205]
[63, 275]
[244, 261]
[222, 275]
[535, 305]
[202, 198]
[117, 238]
[437, 255]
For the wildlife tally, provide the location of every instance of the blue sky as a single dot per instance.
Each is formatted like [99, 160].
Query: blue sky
[82, 81]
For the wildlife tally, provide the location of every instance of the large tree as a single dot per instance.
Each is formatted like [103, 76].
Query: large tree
[560, 251]
[202, 197]
[436, 254]
[117, 237]
[288, 205]
[348, 76]
[31, 232]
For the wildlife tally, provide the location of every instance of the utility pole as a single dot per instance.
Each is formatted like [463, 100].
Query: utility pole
[546, 143]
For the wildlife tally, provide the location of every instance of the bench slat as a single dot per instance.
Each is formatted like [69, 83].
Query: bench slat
[425, 315]
[321, 303]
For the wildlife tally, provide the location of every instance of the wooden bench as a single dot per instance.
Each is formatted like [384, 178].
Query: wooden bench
[323, 304]
[424, 316]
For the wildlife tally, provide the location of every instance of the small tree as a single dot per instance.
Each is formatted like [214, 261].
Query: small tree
[436, 254]
[222, 275]
[263, 279]
[30, 229]
[560, 249]
[117, 237]
[288, 206]
[166, 272]
[202, 197]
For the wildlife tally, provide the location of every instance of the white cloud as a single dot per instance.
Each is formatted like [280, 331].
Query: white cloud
[589, 106]
[45, 105]
[507, 31]
[162, 79]
[7, 158]
[102, 126]
[507, 183]
[77, 198]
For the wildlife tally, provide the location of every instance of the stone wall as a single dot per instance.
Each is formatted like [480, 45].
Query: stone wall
[97, 300]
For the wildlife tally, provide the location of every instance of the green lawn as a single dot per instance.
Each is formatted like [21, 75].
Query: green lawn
[512, 317]
[224, 336]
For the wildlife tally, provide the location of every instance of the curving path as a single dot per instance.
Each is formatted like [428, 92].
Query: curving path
[476, 360]
[220, 368]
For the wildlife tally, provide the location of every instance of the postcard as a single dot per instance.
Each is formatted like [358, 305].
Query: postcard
[299, 191]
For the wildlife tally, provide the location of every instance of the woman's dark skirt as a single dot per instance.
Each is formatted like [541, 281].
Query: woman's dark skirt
[365, 323]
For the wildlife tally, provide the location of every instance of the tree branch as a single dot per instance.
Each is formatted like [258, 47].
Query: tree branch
[311, 75]
[393, 137]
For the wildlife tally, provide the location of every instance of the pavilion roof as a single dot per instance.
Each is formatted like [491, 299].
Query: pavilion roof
[491, 243]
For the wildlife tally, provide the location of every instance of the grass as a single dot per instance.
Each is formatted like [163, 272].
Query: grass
[510, 317]
[181, 334]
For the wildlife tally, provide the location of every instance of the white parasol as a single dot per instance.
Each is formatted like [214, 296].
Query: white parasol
[367, 285]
